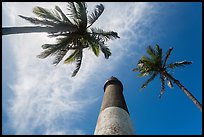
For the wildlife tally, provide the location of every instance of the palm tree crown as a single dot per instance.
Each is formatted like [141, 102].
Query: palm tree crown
[72, 32]
[156, 64]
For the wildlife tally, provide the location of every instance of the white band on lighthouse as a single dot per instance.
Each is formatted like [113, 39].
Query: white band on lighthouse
[114, 121]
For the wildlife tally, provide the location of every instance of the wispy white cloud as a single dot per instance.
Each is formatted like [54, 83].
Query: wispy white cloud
[46, 94]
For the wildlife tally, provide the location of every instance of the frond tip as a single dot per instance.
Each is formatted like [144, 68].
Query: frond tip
[95, 14]
[179, 64]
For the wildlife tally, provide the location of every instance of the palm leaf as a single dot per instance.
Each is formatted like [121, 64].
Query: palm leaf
[149, 80]
[136, 69]
[179, 64]
[46, 53]
[60, 56]
[95, 48]
[162, 86]
[78, 13]
[152, 52]
[82, 15]
[50, 50]
[67, 41]
[72, 57]
[169, 83]
[45, 14]
[93, 39]
[73, 12]
[142, 74]
[95, 14]
[64, 17]
[104, 35]
[106, 51]
[46, 46]
[78, 62]
[159, 51]
[167, 56]
[37, 21]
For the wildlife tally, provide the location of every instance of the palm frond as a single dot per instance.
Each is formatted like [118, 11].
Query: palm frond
[95, 14]
[64, 17]
[95, 48]
[104, 35]
[46, 14]
[159, 51]
[82, 15]
[149, 80]
[169, 83]
[179, 64]
[46, 53]
[66, 41]
[93, 39]
[135, 69]
[167, 56]
[78, 13]
[142, 74]
[162, 86]
[46, 46]
[147, 63]
[78, 62]
[73, 12]
[72, 57]
[146, 60]
[152, 52]
[50, 50]
[60, 56]
[106, 51]
[37, 21]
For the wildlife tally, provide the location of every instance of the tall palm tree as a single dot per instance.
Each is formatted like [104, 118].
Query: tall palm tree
[156, 65]
[73, 32]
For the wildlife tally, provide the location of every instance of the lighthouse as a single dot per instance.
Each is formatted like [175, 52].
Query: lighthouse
[114, 118]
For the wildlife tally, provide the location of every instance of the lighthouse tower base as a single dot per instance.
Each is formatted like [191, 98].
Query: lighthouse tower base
[114, 121]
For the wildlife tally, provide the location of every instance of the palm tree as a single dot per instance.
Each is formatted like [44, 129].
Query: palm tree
[73, 32]
[156, 65]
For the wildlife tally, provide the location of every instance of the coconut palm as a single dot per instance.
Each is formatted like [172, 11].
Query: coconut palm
[73, 32]
[156, 64]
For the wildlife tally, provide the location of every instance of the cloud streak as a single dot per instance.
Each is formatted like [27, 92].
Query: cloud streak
[46, 99]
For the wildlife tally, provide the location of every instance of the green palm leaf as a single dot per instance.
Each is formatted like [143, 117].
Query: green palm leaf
[50, 50]
[169, 83]
[37, 21]
[167, 56]
[144, 85]
[95, 48]
[46, 14]
[106, 51]
[159, 54]
[95, 14]
[162, 86]
[72, 57]
[152, 52]
[142, 74]
[60, 56]
[78, 13]
[179, 64]
[78, 62]
[136, 69]
[104, 35]
[64, 17]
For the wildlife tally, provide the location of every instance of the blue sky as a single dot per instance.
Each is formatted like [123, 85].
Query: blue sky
[39, 98]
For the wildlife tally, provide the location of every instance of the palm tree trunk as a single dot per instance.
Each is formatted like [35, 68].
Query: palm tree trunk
[195, 101]
[31, 29]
